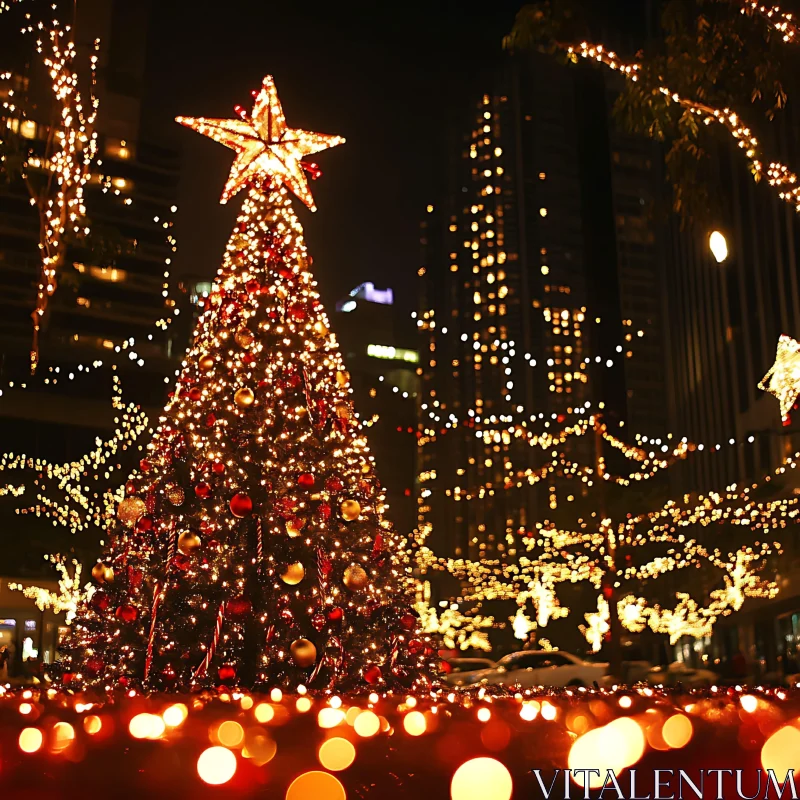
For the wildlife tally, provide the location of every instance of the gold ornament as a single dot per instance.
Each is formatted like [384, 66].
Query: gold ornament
[207, 363]
[342, 378]
[244, 397]
[265, 147]
[783, 378]
[188, 542]
[343, 410]
[108, 574]
[355, 578]
[293, 574]
[320, 328]
[99, 572]
[304, 654]
[351, 509]
[244, 337]
[130, 510]
[175, 494]
[294, 527]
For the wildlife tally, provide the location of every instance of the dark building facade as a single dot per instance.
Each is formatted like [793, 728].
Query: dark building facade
[378, 345]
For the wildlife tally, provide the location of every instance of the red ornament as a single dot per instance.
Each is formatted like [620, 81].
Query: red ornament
[445, 667]
[318, 621]
[285, 507]
[218, 467]
[408, 622]
[373, 674]
[334, 485]
[252, 286]
[168, 674]
[100, 601]
[203, 490]
[335, 614]
[211, 419]
[130, 487]
[324, 511]
[306, 480]
[127, 614]
[135, 577]
[415, 647]
[195, 393]
[227, 673]
[143, 524]
[145, 465]
[238, 607]
[285, 272]
[248, 358]
[241, 505]
[94, 665]
[297, 312]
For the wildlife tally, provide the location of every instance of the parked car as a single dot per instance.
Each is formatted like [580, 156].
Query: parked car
[543, 668]
[678, 672]
[463, 670]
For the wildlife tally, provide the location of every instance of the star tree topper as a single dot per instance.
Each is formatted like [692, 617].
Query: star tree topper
[265, 147]
[783, 378]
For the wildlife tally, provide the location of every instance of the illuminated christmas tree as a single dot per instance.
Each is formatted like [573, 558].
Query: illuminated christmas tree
[250, 548]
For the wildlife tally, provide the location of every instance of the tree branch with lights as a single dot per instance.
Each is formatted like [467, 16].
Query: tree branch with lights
[715, 56]
[55, 174]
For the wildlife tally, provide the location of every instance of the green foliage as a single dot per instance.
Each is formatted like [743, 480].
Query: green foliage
[708, 51]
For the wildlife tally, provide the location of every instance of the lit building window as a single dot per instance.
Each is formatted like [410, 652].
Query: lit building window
[542, 212]
[111, 274]
[27, 129]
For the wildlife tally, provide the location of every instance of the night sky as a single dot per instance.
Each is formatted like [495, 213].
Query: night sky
[384, 75]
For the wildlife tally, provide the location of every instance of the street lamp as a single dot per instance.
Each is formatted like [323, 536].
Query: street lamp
[718, 245]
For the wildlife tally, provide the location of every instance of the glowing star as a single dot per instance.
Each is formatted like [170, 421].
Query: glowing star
[783, 378]
[265, 147]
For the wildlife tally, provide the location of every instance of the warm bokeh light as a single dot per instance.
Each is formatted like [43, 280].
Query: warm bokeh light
[316, 785]
[216, 765]
[264, 712]
[259, 747]
[414, 723]
[367, 724]
[677, 731]
[146, 726]
[625, 701]
[529, 711]
[30, 740]
[749, 703]
[549, 711]
[337, 754]
[92, 724]
[230, 733]
[175, 715]
[615, 746]
[481, 779]
[25, 708]
[303, 704]
[63, 736]
[330, 717]
[484, 714]
[780, 751]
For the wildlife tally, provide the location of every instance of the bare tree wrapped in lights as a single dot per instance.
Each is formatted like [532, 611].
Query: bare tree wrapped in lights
[250, 548]
[55, 176]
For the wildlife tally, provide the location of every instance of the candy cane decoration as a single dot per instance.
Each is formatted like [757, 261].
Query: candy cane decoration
[154, 611]
[307, 389]
[203, 668]
[259, 541]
